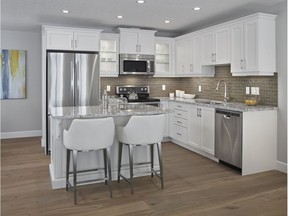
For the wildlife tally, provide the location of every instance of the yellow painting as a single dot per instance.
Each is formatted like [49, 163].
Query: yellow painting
[13, 74]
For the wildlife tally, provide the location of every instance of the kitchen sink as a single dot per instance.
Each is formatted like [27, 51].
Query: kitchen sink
[206, 101]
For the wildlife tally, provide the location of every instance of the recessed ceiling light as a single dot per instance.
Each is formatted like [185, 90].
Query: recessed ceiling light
[197, 8]
[65, 11]
[119, 17]
[167, 21]
[140, 1]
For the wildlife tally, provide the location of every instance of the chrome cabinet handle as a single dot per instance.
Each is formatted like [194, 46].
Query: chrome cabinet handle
[241, 63]
[226, 116]
[179, 134]
[179, 122]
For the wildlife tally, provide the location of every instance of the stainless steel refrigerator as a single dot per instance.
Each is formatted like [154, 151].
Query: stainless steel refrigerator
[73, 79]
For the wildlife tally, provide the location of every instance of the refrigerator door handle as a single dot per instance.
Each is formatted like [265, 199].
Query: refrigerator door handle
[77, 81]
[73, 79]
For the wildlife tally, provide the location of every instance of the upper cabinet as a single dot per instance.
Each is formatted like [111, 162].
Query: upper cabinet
[253, 46]
[137, 41]
[188, 57]
[216, 46]
[163, 56]
[109, 55]
[62, 38]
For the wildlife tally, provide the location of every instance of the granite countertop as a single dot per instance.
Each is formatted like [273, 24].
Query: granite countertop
[227, 106]
[99, 112]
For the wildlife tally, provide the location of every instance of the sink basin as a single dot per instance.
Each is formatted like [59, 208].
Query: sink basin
[206, 101]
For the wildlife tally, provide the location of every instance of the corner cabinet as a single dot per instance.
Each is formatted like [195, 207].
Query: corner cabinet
[216, 46]
[201, 126]
[163, 57]
[253, 46]
[109, 55]
[188, 57]
[137, 41]
[64, 38]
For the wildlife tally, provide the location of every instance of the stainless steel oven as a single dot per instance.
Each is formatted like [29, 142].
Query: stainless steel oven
[136, 64]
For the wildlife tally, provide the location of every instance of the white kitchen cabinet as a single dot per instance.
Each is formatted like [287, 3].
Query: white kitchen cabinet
[188, 57]
[109, 55]
[165, 104]
[137, 41]
[62, 38]
[253, 46]
[216, 46]
[201, 125]
[163, 56]
[178, 122]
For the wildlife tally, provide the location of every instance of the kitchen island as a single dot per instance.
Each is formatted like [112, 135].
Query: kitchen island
[62, 117]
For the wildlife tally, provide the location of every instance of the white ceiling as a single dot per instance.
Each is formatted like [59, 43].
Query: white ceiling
[29, 15]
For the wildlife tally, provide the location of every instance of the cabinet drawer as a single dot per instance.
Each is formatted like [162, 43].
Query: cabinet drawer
[179, 133]
[181, 114]
[180, 122]
[179, 106]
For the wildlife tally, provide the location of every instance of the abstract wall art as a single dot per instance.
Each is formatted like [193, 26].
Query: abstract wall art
[13, 74]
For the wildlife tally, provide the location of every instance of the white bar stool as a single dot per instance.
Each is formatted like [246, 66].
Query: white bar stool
[140, 131]
[88, 135]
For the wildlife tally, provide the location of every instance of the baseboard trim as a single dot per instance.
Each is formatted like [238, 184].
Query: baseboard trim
[21, 134]
[282, 167]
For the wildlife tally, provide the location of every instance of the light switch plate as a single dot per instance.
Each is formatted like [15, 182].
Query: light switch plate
[199, 88]
[163, 87]
[108, 88]
[247, 90]
[253, 90]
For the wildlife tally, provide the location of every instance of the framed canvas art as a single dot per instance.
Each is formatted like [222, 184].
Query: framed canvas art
[13, 74]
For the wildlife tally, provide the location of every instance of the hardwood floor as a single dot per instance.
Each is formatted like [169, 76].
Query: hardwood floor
[194, 185]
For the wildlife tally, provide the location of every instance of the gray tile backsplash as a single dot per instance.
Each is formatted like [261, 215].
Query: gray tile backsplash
[236, 86]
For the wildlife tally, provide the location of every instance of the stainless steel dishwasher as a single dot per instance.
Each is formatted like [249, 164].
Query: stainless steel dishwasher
[228, 137]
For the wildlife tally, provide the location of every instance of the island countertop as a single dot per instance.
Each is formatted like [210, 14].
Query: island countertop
[99, 112]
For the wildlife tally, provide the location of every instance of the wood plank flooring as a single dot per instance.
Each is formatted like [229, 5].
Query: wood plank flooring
[194, 185]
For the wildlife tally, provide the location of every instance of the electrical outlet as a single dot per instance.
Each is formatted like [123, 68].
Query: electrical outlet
[253, 90]
[163, 87]
[247, 90]
[199, 88]
[108, 88]
[257, 89]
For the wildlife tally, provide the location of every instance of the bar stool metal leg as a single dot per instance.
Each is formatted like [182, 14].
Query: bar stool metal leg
[160, 163]
[108, 154]
[152, 159]
[131, 167]
[67, 168]
[119, 159]
[75, 175]
[105, 164]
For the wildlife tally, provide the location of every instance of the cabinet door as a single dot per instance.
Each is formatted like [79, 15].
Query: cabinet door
[86, 41]
[237, 46]
[180, 56]
[109, 55]
[222, 45]
[194, 129]
[208, 51]
[189, 56]
[128, 42]
[251, 46]
[146, 43]
[165, 104]
[163, 58]
[207, 129]
[59, 39]
[196, 53]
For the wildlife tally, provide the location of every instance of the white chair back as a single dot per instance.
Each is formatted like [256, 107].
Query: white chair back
[89, 134]
[142, 130]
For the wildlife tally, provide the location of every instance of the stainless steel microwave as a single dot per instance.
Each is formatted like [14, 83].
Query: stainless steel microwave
[136, 64]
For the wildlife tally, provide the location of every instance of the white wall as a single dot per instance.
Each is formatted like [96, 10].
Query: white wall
[281, 66]
[22, 117]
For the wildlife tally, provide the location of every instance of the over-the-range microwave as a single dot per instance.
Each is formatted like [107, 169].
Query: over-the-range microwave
[136, 64]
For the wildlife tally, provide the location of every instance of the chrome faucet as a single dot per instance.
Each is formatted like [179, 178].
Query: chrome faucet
[225, 90]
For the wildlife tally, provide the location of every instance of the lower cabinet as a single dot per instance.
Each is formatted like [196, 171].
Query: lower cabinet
[201, 126]
[165, 104]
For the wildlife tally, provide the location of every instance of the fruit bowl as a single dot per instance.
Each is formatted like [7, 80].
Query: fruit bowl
[250, 102]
